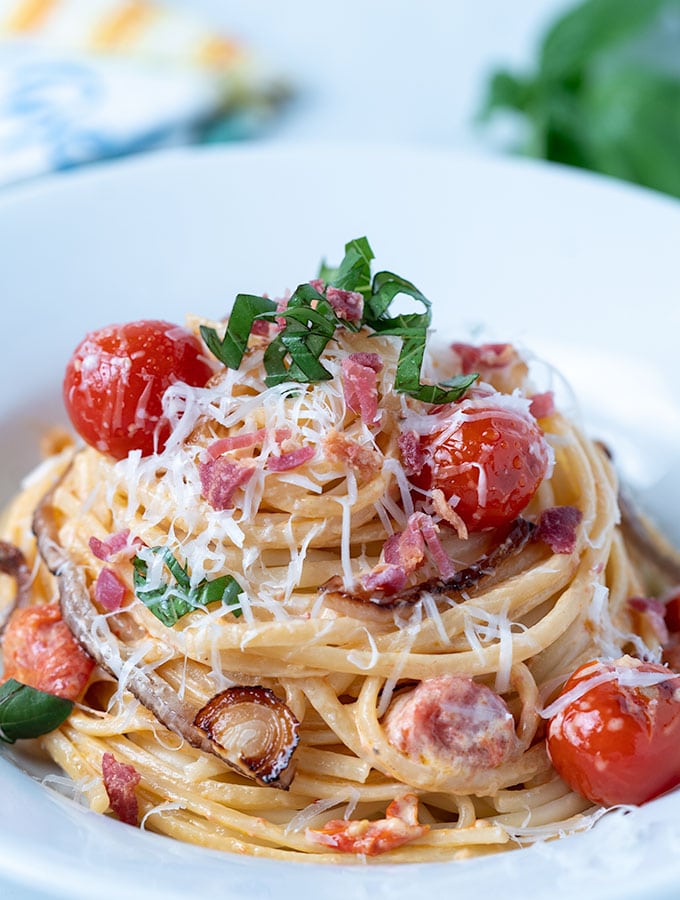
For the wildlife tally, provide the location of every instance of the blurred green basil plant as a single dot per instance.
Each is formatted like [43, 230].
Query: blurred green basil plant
[605, 94]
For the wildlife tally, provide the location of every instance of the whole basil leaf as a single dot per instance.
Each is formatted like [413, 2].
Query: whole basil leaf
[26, 712]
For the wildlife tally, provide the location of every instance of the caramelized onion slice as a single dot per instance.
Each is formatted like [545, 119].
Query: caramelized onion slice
[517, 538]
[253, 725]
[13, 563]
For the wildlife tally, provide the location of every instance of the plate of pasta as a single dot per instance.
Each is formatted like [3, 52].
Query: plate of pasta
[339, 542]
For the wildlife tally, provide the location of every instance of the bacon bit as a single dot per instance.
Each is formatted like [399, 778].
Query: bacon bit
[407, 548]
[364, 460]
[282, 306]
[235, 442]
[387, 579]
[446, 512]
[291, 460]
[452, 720]
[430, 532]
[542, 405]
[516, 539]
[557, 528]
[400, 826]
[498, 364]
[118, 546]
[412, 456]
[120, 781]
[109, 590]
[650, 613]
[403, 553]
[40, 651]
[348, 305]
[261, 327]
[221, 477]
[372, 360]
[318, 284]
[244, 440]
[485, 356]
[360, 386]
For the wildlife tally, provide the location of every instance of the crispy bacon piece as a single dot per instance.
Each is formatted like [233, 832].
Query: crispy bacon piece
[454, 722]
[403, 553]
[120, 781]
[360, 385]
[117, 546]
[291, 460]
[386, 580]
[109, 590]
[400, 826]
[485, 356]
[542, 405]
[411, 450]
[13, 563]
[557, 528]
[40, 651]
[650, 613]
[516, 539]
[364, 460]
[348, 305]
[498, 364]
[244, 440]
[220, 479]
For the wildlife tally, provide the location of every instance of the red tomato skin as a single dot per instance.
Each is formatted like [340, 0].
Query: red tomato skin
[618, 744]
[40, 651]
[116, 378]
[672, 614]
[508, 447]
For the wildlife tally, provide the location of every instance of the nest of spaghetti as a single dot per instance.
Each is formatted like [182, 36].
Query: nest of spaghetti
[325, 622]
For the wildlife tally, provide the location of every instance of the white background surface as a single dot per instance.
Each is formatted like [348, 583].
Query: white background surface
[398, 71]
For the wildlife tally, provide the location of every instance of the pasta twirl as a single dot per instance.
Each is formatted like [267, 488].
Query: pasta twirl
[342, 601]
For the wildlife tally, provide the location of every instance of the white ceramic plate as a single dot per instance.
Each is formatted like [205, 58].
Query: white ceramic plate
[581, 270]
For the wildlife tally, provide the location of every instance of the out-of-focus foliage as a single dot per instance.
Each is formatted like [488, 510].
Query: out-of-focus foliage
[605, 94]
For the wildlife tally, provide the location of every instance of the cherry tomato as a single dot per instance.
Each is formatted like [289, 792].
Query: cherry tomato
[618, 742]
[39, 650]
[491, 458]
[116, 379]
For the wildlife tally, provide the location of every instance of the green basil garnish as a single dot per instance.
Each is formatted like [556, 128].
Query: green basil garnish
[294, 354]
[174, 599]
[26, 712]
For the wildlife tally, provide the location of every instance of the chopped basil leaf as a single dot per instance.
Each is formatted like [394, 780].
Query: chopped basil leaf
[354, 272]
[26, 712]
[231, 348]
[170, 601]
[294, 354]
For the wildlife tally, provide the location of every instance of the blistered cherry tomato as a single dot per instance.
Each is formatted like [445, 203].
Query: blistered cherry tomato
[619, 741]
[492, 459]
[116, 379]
[39, 650]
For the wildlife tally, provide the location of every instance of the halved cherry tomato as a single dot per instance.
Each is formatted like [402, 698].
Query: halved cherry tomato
[39, 650]
[491, 458]
[618, 742]
[116, 379]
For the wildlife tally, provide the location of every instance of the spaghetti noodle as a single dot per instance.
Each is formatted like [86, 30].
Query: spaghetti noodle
[316, 491]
